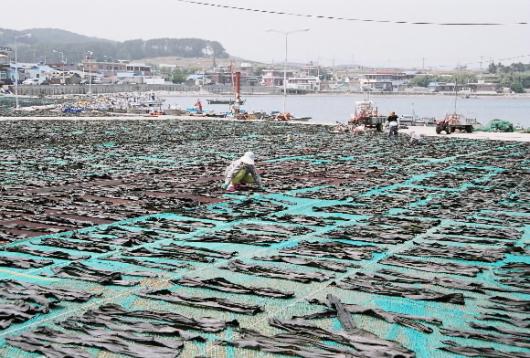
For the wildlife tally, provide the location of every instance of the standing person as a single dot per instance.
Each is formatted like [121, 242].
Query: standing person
[393, 125]
[198, 106]
[242, 172]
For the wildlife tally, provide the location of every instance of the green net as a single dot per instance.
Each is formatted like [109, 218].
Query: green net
[498, 125]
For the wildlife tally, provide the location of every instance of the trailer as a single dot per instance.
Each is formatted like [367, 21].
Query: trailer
[366, 114]
[453, 122]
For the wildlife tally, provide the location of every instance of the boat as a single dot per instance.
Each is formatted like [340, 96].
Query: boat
[225, 101]
[236, 87]
[285, 117]
[301, 119]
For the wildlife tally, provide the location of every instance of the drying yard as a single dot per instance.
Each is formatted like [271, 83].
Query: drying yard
[117, 240]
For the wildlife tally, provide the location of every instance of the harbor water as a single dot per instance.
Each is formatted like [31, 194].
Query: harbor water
[333, 108]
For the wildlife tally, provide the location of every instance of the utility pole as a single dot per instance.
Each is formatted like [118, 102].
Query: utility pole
[286, 34]
[63, 61]
[89, 56]
[17, 106]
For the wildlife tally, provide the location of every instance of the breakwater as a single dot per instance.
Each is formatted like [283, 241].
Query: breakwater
[51, 90]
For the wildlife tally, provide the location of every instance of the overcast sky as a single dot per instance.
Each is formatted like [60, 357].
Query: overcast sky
[244, 34]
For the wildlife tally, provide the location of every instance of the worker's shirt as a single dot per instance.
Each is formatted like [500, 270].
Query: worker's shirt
[236, 166]
[393, 121]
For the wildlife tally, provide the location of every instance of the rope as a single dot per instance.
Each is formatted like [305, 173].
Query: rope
[350, 19]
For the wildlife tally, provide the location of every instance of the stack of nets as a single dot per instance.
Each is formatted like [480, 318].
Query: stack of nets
[499, 125]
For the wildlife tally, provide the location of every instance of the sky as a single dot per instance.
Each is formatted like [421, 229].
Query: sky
[245, 35]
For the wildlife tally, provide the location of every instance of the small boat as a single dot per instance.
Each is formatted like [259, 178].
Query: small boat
[285, 117]
[301, 119]
[157, 113]
[225, 101]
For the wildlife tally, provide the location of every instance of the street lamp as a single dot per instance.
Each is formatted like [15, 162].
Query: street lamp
[63, 61]
[286, 34]
[16, 66]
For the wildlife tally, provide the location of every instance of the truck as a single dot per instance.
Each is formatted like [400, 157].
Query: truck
[453, 122]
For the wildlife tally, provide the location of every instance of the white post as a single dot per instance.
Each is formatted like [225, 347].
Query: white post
[285, 74]
[89, 81]
[16, 74]
[64, 77]
[28, 35]
[286, 34]
[90, 53]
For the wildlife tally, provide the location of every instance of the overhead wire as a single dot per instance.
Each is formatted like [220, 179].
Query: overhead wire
[338, 18]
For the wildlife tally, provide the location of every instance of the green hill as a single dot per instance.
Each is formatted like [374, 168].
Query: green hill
[42, 42]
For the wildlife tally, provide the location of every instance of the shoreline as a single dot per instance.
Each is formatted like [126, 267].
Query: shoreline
[265, 94]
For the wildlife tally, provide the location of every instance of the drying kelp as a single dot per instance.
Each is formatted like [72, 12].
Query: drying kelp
[119, 343]
[332, 250]
[161, 265]
[180, 252]
[302, 261]
[22, 301]
[174, 226]
[240, 237]
[485, 352]
[441, 281]
[504, 234]
[442, 226]
[221, 284]
[111, 328]
[215, 303]
[413, 322]
[515, 274]
[78, 246]
[275, 272]
[453, 252]
[79, 271]
[452, 268]
[55, 254]
[21, 263]
[382, 286]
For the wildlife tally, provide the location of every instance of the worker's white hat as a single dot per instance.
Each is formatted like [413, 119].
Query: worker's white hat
[248, 158]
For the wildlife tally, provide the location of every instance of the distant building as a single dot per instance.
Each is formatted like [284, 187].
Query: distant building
[107, 69]
[4, 65]
[274, 78]
[446, 87]
[138, 78]
[484, 87]
[385, 82]
[225, 76]
[38, 74]
[303, 84]
[139, 69]
[112, 72]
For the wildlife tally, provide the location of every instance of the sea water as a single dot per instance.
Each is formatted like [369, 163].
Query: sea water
[333, 108]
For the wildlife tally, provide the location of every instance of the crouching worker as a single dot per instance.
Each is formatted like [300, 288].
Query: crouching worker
[416, 139]
[241, 173]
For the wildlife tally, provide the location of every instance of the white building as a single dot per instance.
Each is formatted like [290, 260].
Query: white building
[303, 84]
[386, 82]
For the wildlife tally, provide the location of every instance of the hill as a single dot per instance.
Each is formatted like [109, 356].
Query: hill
[42, 42]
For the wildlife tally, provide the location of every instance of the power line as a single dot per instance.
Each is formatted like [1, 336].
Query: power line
[336, 18]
